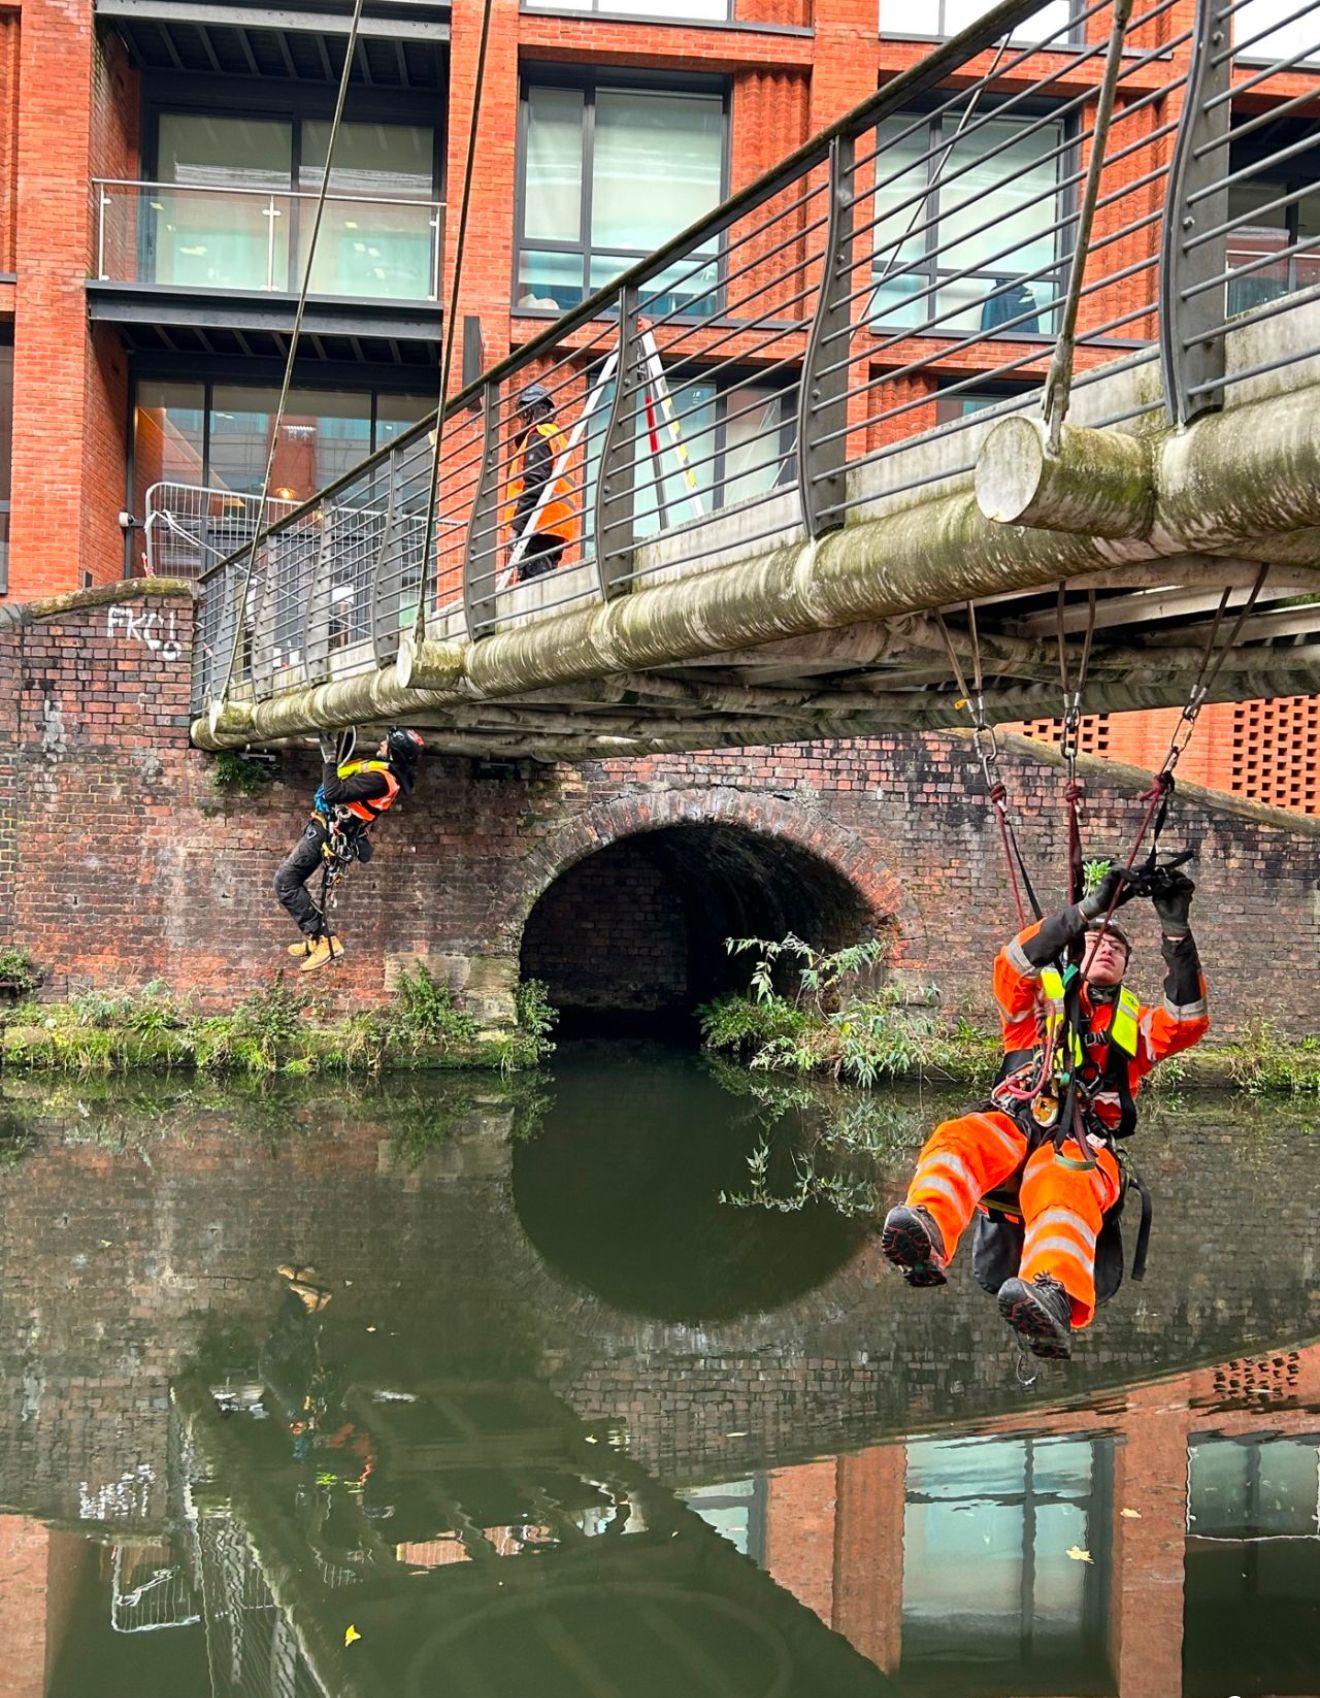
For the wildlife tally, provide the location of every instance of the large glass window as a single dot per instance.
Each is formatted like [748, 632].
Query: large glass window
[217, 436]
[965, 237]
[1274, 242]
[234, 208]
[660, 9]
[6, 446]
[987, 1580]
[1268, 30]
[932, 19]
[608, 175]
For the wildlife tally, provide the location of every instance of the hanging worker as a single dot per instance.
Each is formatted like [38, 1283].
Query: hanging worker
[352, 797]
[541, 447]
[1044, 1200]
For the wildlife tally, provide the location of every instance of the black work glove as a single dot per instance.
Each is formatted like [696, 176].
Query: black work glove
[1098, 901]
[1172, 897]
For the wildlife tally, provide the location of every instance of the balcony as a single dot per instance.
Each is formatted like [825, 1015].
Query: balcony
[191, 268]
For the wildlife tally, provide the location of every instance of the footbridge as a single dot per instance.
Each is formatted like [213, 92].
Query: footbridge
[1018, 364]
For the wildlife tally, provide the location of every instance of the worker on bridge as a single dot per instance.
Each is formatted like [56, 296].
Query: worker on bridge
[538, 500]
[1040, 1158]
[352, 796]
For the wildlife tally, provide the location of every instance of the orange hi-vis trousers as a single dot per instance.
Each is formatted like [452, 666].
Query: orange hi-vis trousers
[1062, 1204]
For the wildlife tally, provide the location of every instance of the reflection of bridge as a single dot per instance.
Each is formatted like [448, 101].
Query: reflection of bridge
[769, 509]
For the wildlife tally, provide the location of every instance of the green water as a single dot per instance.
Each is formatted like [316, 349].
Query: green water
[599, 1387]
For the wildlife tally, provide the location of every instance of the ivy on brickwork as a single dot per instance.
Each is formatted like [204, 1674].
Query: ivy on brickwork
[277, 1030]
[230, 771]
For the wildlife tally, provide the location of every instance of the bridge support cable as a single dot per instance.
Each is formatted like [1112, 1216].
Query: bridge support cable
[246, 609]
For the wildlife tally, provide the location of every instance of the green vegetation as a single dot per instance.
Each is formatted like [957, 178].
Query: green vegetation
[230, 771]
[835, 1023]
[1268, 1062]
[277, 1030]
[17, 973]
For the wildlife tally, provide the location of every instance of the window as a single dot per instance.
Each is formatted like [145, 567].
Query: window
[731, 442]
[608, 175]
[233, 208]
[987, 1580]
[1269, 30]
[659, 9]
[1261, 228]
[964, 238]
[959, 400]
[930, 20]
[736, 1510]
[6, 446]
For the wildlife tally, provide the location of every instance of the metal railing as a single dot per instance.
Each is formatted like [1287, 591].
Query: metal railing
[214, 237]
[877, 291]
[188, 528]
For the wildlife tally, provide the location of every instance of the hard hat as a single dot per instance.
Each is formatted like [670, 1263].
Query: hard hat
[1113, 929]
[534, 395]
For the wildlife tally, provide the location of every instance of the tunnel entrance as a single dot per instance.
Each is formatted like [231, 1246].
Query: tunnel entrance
[630, 940]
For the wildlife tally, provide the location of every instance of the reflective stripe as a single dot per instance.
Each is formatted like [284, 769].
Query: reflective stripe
[1017, 959]
[952, 1162]
[1061, 1217]
[922, 1186]
[1033, 1249]
[1187, 1010]
[1016, 1145]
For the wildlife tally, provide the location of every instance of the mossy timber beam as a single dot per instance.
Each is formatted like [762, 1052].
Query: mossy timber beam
[1245, 483]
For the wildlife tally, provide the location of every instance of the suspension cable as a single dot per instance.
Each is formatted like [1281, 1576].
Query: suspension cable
[451, 323]
[1071, 733]
[350, 49]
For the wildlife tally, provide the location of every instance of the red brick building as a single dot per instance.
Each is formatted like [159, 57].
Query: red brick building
[159, 161]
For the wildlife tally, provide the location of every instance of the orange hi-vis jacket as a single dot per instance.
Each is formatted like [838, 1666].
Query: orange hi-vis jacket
[532, 468]
[1180, 1020]
[369, 809]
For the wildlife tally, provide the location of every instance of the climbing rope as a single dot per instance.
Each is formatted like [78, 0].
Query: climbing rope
[260, 529]
[451, 322]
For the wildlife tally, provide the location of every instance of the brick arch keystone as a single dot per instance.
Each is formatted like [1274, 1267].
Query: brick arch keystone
[840, 847]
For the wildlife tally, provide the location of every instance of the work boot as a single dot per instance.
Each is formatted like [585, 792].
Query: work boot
[1040, 1313]
[324, 950]
[303, 947]
[911, 1240]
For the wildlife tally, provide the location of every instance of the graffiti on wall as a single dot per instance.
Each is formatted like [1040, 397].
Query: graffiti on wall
[154, 629]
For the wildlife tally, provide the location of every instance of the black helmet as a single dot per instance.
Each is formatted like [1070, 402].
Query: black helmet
[1112, 929]
[404, 746]
[534, 395]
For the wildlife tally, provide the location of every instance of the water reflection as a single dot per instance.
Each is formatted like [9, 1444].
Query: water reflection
[495, 1460]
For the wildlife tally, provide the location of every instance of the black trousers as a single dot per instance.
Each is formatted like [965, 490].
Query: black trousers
[295, 870]
[542, 554]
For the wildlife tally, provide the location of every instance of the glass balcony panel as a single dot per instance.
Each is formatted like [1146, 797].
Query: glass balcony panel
[369, 251]
[196, 238]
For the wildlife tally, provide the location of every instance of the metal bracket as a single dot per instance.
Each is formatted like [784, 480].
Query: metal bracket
[1191, 349]
[479, 605]
[823, 399]
[614, 521]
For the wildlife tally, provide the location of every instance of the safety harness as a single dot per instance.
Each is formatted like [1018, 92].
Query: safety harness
[346, 825]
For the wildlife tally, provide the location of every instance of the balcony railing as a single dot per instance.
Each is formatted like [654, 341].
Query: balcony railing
[189, 528]
[189, 236]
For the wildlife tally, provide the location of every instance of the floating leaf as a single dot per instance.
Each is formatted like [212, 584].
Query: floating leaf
[351, 1634]
[1077, 1554]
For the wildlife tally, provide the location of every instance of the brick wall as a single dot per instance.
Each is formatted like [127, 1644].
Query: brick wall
[9, 58]
[126, 864]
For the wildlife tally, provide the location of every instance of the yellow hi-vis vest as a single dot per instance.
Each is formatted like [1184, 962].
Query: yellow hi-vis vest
[1123, 1027]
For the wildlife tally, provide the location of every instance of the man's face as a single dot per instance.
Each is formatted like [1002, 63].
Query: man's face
[382, 748]
[1105, 961]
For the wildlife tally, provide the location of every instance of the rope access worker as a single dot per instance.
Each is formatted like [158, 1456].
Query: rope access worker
[541, 445]
[352, 797]
[1049, 1193]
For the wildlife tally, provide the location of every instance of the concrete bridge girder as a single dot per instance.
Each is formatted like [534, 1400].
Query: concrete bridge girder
[829, 637]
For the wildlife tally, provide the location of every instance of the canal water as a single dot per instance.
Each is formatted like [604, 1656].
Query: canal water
[594, 1386]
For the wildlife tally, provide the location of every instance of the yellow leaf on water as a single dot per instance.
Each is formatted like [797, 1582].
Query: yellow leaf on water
[350, 1634]
[1078, 1554]
[1130, 1514]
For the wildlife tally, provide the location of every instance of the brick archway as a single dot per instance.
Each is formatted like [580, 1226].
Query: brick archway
[840, 849]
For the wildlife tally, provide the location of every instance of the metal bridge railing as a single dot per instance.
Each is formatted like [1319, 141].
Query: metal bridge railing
[889, 281]
[189, 528]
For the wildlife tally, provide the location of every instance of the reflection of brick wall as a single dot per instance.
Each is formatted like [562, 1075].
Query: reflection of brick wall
[127, 865]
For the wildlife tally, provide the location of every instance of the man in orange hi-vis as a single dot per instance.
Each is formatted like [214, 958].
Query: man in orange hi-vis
[1047, 1197]
[538, 500]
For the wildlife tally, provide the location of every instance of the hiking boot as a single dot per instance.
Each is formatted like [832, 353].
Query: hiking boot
[911, 1240]
[324, 950]
[1040, 1314]
[303, 947]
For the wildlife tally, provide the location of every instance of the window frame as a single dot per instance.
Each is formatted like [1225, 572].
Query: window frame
[590, 82]
[1284, 178]
[1059, 44]
[1065, 204]
[231, 98]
